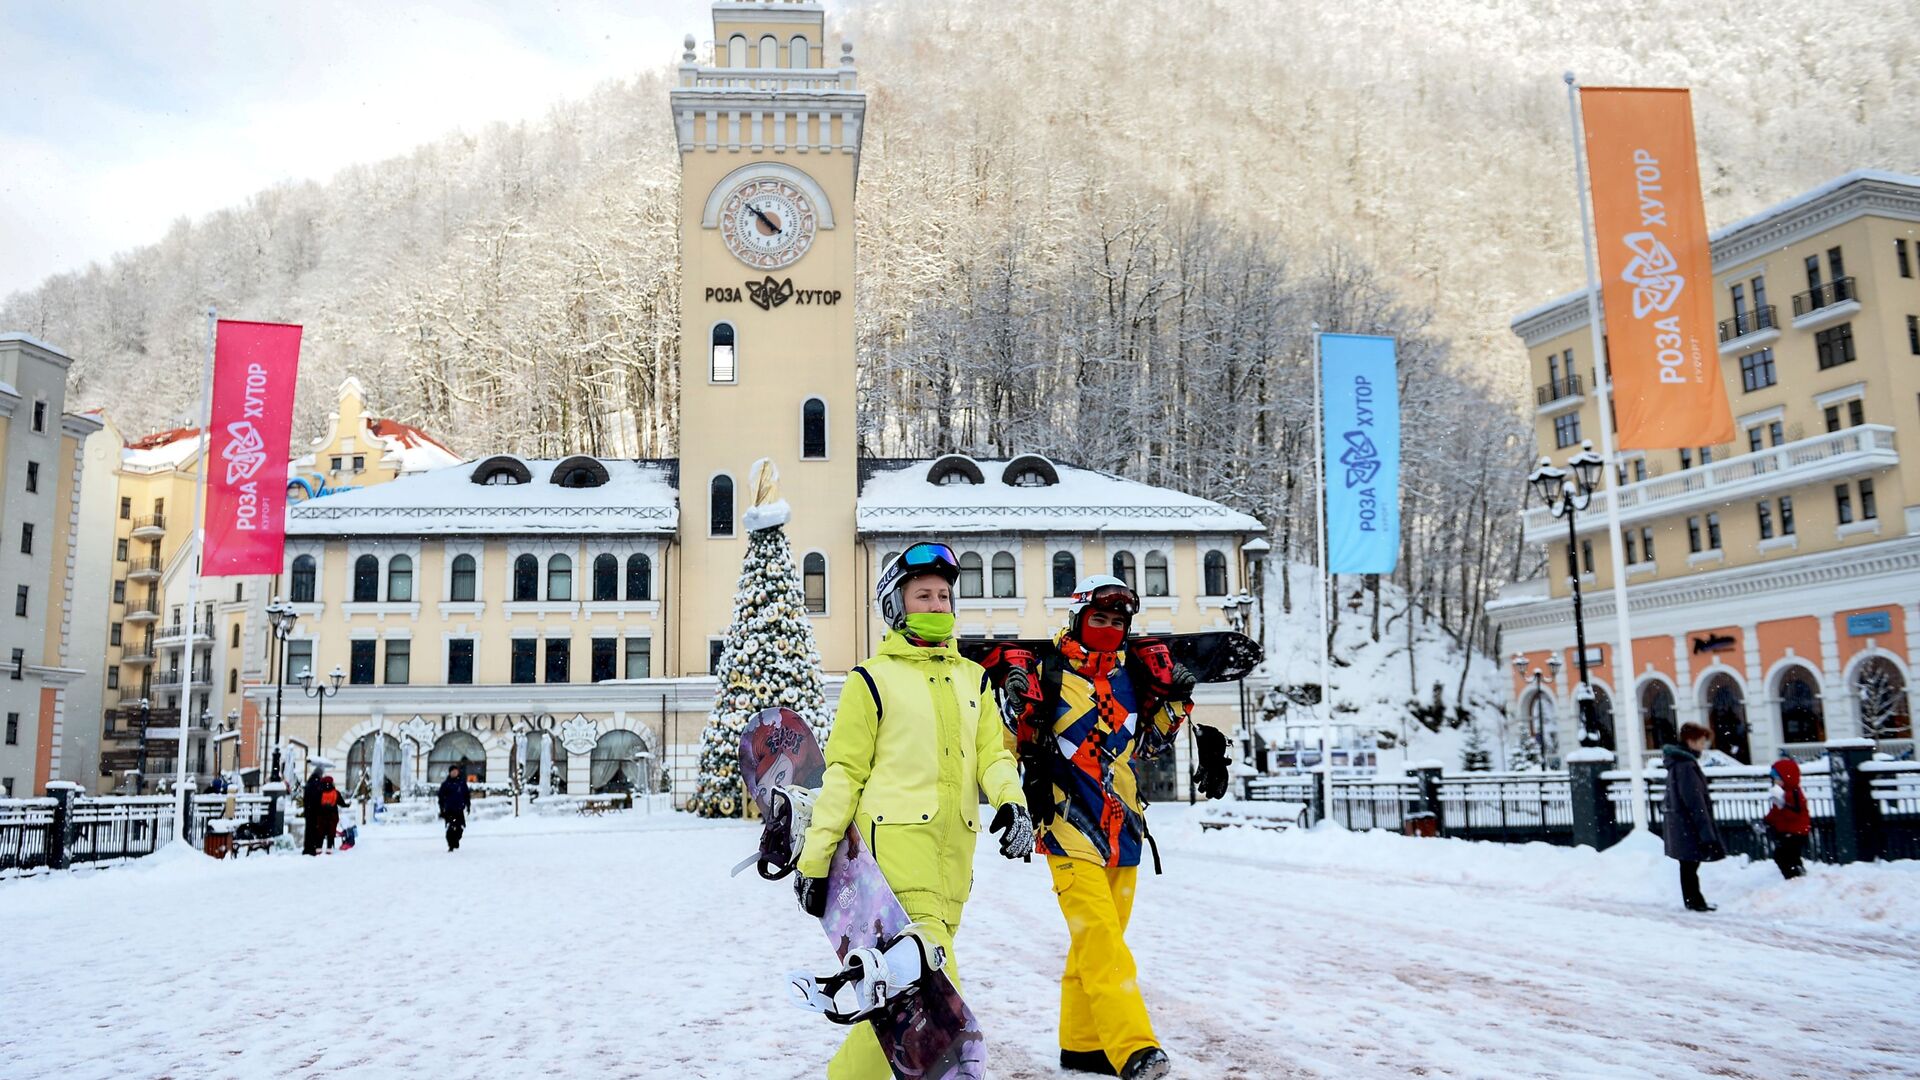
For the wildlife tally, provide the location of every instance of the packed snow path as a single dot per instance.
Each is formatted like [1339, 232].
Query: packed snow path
[620, 947]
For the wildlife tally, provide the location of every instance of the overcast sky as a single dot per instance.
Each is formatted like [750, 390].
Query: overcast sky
[118, 117]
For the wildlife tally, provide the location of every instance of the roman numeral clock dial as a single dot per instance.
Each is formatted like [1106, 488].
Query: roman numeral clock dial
[768, 223]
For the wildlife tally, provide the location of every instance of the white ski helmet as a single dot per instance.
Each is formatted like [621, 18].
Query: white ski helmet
[919, 559]
[1105, 592]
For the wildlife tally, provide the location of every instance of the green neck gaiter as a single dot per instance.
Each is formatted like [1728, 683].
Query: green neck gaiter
[932, 627]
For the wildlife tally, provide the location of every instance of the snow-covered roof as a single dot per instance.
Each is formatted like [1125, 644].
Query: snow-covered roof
[26, 338]
[901, 497]
[411, 449]
[638, 497]
[161, 450]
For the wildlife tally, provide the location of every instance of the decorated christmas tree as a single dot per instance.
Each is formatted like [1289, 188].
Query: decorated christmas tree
[769, 659]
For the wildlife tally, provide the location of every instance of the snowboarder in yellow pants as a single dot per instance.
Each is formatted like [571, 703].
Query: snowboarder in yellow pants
[1101, 1011]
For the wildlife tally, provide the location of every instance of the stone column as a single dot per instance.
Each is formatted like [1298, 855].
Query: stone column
[1843, 720]
[1761, 736]
[1685, 706]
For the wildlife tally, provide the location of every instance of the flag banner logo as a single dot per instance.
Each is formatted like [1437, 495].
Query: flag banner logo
[1656, 269]
[254, 366]
[1361, 413]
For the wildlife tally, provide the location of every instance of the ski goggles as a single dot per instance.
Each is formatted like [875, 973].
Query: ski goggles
[1117, 599]
[929, 557]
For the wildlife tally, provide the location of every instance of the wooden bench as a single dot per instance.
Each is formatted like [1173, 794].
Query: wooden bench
[595, 805]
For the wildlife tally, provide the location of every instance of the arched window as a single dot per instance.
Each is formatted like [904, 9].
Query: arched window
[813, 579]
[1123, 569]
[457, 748]
[639, 577]
[1603, 716]
[1880, 691]
[1065, 575]
[617, 763]
[1727, 715]
[559, 578]
[1657, 724]
[970, 576]
[723, 369]
[1214, 568]
[304, 569]
[1156, 573]
[737, 51]
[233, 680]
[720, 506]
[526, 578]
[400, 578]
[366, 579]
[769, 51]
[1004, 582]
[1803, 717]
[798, 54]
[606, 577]
[460, 588]
[813, 429]
[360, 764]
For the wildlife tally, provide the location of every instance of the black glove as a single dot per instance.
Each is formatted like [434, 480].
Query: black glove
[1210, 764]
[1036, 784]
[812, 893]
[1017, 824]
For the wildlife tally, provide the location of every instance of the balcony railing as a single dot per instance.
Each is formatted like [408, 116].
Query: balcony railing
[1748, 322]
[1850, 452]
[1838, 291]
[141, 569]
[1558, 389]
[156, 523]
[174, 633]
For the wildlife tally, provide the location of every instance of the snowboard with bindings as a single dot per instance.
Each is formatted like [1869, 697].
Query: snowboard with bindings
[891, 976]
[1212, 655]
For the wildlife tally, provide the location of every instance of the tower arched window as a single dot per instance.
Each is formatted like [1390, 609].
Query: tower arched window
[526, 579]
[1123, 568]
[769, 51]
[813, 429]
[737, 51]
[798, 54]
[1004, 583]
[304, 573]
[366, 579]
[1214, 569]
[606, 577]
[1065, 574]
[971, 572]
[813, 580]
[720, 506]
[723, 367]
[559, 578]
[639, 577]
[460, 588]
[400, 578]
[1156, 573]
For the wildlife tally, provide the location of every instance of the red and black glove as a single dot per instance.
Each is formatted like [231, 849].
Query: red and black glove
[1169, 679]
[1015, 671]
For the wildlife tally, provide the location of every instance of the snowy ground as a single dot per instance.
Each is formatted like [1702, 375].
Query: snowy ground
[620, 947]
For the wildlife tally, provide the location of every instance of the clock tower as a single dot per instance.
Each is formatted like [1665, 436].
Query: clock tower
[769, 131]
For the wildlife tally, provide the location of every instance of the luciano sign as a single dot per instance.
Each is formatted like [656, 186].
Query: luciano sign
[767, 294]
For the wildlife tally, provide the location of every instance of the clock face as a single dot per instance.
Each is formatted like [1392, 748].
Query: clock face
[768, 223]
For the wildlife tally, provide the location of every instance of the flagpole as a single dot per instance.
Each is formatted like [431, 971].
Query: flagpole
[1625, 699]
[196, 542]
[1326, 585]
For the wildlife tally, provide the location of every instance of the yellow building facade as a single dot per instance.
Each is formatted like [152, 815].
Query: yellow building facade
[1773, 582]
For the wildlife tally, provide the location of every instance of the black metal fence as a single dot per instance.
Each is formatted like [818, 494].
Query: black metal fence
[66, 829]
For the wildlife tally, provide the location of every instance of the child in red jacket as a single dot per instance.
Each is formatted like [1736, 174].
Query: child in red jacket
[1788, 823]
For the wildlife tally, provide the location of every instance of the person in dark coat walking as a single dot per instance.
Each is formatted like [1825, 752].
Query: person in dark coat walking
[1788, 823]
[455, 801]
[310, 812]
[1691, 835]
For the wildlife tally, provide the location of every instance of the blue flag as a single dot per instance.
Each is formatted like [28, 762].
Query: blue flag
[1361, 410]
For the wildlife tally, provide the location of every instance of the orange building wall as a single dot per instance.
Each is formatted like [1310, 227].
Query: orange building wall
[1894, 640]
[1802, 635]
[43, 749]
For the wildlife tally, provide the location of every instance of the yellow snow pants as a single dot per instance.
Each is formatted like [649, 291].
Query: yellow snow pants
[1100, 1004]
[860, 1057]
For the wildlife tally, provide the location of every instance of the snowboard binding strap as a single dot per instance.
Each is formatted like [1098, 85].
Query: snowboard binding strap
[871, 979]
[782, 834]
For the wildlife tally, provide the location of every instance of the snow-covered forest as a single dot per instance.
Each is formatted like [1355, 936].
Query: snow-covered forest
[1101, 238]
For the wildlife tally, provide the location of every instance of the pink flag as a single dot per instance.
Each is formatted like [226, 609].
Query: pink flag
[253, 373]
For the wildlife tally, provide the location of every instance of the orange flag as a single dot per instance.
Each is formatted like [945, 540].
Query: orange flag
[1656, 269]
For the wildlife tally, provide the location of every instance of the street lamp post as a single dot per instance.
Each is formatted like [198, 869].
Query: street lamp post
[1239, 611]
[146, 723]
[1566, 492]
[1535, 719]
[320, 692]
[280, 618]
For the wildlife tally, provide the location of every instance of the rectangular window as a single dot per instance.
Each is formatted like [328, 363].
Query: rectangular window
[1900, 256]
[606, 659]
[120, 550]
[1913, 334]
[714, 650]
[1856, 412]
[6, 786]
[1566, 430]
[359, 662]
[1766, 520]
[33, 476]
[1756, 370]
[1646, 544]
[1630, 548]
[113, 678]
[1813, 277]
[13, 729]
[1639, 469]
[1739, 299]
[1693, 535]
[20, 601]
[39, 416]
[1835, 268]
[1834, 347]
[359, 463]
[559, 659]
[1713, 531]
[1832, 414]
[399, 669]
[1706, 455]
[19, 663]
[113, 634]
[524, 659]
[299, 659]
[126, 509]
[1868, 508]
[639, 657]
[1686, 457]
[1843, 503]
[1753, 440]
[338, 463]
[1776, 433]
[1760, 295]
[1553, 374]
[1786, 515]
[26, 539]
[120, 592]
[1586, 556]
[460, 662]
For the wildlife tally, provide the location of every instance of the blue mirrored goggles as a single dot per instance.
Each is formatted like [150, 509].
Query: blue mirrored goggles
[928, 557]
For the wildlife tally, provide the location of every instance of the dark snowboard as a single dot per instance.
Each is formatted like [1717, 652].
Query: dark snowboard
[1212, 656]
[927, 1033]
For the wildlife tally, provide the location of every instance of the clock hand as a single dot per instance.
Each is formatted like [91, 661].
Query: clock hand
[764, 219]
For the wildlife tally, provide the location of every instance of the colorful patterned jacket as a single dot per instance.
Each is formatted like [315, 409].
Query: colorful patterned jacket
[1097, 737]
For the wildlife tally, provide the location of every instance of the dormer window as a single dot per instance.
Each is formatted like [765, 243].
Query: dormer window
[953, 479]
[580, 471]
[1030, 478]
[955, 469]
[1030, 470]
[501, 469]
